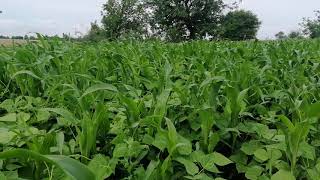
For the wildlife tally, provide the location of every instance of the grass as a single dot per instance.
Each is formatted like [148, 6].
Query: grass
[154, 110]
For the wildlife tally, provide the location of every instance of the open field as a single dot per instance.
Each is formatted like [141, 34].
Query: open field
[10, 42]
[132, 110]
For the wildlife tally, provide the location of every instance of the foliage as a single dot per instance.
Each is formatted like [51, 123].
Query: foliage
[312, 26]
[281, 35]
[154, 110]
[240, 25]
[121, 18]
[96, 33]
[295, 34]
[181, 20]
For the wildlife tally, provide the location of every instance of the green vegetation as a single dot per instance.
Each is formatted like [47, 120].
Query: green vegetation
[154, 110]
[173, 20]
[240, 25]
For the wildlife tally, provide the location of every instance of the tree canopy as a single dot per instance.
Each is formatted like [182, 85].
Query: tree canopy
[186, 19]
[311, 27]
[240, 25]
[173, 20]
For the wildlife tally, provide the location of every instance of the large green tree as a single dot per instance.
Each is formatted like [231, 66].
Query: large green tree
[121, 18]
[178, 20]
[240, 25]
[311, 27]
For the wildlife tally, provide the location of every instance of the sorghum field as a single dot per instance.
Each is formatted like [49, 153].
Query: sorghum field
[155, 110]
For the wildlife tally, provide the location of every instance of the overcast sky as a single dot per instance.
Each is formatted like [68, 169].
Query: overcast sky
[58, 16]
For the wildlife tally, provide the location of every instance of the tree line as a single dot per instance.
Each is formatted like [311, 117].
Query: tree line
[174, 20]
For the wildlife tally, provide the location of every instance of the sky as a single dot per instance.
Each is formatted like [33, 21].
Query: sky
[53, 17]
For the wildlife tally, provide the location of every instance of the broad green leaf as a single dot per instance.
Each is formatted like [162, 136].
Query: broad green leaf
[184, 146]
[208, 162]
[74, 169]
[253, 172]
[313, 110]
[287, 122]
[166, 164]
[307, 151]
[11, 117]
[102, 166]
[213, 141]
[172, 135]
[150, 169]
[121, 150]
[6, 136]
[261, 154]
[42, 115]
[161, 106]
[207, 122]
[313, 174]
[201, 176]
[220, 159]
[23, 117]
[161, 141]
[191, 168]
[99, 87]
[283, 175]
[250, 147]
[27, 73]
[67, 115]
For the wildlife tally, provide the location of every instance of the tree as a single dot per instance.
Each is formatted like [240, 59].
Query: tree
[96, 33]
[311, 27]
[178, 20]
[295, 34]
[281, 35]
[123, 17]
[240, 25]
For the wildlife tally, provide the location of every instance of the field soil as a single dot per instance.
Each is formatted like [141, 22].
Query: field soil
[10, 42]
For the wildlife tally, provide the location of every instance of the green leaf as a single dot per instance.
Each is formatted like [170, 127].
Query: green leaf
[283, 175]
[207, 122]
[253, 172]
[172, 136]
[220, 159]
[102, 166]
[165, 165]
[250, 147]
[27, 73]
[201, 176]
[261, 154]
[42, 115]
[121, 150]
[287, 122]
[213, 141]
[6, 136]
[150, 169]
[99, 87]
[208, 162]
[313, 110]
[161, 141]
[307, 151]
[184, 146]
[11, 117]
[74, 169]
[161, 106]
[313, 174]
[191, 168]
[65, 114]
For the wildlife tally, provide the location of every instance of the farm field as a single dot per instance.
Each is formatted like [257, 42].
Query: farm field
[11, 42]
[154, 110]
